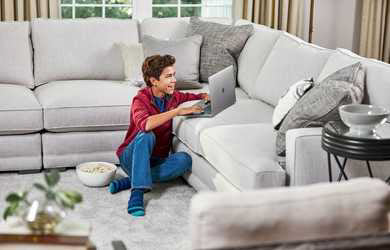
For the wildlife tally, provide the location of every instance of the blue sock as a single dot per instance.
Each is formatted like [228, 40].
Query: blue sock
[119, 185]
[135, 205]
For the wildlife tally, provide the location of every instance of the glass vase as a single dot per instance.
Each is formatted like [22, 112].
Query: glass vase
[42, 217]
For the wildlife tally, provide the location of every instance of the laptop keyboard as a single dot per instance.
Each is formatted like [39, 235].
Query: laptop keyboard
[205, 105]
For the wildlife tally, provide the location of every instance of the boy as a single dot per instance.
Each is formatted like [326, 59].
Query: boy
[144, 154]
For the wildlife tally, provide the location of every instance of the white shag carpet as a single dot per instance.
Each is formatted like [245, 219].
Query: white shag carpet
[165, 225]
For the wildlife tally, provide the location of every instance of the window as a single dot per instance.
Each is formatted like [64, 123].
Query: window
[145, 8]
[186, 8]
[96, 8]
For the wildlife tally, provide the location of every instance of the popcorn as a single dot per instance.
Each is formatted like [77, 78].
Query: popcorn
[97, 168]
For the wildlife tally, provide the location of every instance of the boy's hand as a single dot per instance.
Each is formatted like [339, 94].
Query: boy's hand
[205, 96]
[189, 110]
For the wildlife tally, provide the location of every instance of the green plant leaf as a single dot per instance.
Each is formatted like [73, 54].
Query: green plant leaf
[11, 210]
[40, 187]
[52, 178]
[7, 212]
[50, 195]
[65, 200]
[13, 197]
[74, 196]
[24, 195]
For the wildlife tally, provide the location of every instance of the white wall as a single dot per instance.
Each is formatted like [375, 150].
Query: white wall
[337, 24]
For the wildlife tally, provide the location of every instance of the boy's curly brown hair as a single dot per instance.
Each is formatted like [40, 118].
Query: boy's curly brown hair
[153, 66]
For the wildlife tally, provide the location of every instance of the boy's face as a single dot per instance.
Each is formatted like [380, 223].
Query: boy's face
[166, 83]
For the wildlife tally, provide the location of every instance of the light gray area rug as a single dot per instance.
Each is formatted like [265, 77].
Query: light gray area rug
[165, 225]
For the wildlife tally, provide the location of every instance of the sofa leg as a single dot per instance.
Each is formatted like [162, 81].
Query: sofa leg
[29, 171]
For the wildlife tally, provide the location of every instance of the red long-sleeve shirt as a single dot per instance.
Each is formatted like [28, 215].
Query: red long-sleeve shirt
[142, 107]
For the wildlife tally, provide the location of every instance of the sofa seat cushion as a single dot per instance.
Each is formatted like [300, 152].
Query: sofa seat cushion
[244, 154]
[86, 105]
[244, 111]
[20, 111]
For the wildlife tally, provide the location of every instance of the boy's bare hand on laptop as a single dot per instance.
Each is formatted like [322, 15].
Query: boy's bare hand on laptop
[189, 110]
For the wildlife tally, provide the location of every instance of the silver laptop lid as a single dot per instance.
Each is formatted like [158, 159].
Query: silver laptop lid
[222, 90]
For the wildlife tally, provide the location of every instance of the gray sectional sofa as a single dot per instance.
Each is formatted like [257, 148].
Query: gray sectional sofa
[63, 101]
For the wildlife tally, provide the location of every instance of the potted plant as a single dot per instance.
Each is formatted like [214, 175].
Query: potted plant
[42, 216]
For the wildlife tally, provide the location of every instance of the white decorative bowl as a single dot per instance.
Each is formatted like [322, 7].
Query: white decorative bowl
[96, 174]
[362, 119]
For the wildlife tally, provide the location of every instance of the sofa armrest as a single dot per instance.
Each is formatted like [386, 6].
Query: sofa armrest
[306, 161]
[286, 214]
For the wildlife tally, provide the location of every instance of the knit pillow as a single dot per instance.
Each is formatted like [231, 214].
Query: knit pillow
[222, 44]
[321, 103]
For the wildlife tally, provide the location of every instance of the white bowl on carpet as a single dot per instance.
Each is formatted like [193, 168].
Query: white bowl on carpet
[96, 174]
[363, 119]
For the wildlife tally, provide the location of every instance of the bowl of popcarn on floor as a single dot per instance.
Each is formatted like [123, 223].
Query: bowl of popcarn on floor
[96, 174]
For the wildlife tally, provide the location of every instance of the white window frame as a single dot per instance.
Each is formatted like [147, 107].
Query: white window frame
[104, 5]
[141, 9]
[179, 5]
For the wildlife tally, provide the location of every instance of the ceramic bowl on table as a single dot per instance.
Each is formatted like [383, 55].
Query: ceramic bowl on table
[96, 174]
[363, 119]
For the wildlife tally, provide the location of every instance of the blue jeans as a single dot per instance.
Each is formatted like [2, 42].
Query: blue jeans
[143, 169]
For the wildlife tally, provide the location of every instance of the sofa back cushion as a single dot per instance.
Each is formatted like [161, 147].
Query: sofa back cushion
[254, 54]
[290, 60]
[80, 49]
[377, 75]
[164, 28]
[172, 27]
[15, 54]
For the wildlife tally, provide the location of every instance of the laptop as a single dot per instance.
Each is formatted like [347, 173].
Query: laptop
[222, 94]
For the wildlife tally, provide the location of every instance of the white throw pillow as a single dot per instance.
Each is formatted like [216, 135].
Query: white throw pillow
[185, 50]
[288, 100]
[133, 57]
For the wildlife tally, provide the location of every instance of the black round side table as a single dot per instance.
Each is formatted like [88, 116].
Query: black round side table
[338, 141]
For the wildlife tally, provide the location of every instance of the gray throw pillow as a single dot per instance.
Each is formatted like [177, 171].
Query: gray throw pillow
[222, 44]
[321, 103]
[185, 50]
